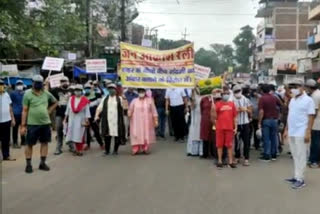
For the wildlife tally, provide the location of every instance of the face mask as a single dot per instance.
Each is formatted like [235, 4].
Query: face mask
[19, 87]
[78, 93]
[65, 86]
[238, 95]
[112, 92]
[87, 91]
[38, 85]
[226, 97]
[1, 88]
[295, 92]
[142, 94]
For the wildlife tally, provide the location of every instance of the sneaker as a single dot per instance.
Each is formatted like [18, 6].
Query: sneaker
[290, 180]
[44, 167]
[314, 166]
[29, 169]
[298, 184]
[106, 153]
[264, 159]
[233, 165]
[115, 153]
[274, 157]
[219, 165]
[246, 163]
[58, 152]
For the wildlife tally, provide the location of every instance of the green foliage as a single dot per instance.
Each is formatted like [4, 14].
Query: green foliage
[166, 44]
[243, 50]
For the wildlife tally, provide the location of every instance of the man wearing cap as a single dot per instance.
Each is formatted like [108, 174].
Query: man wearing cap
[6, 121]
[244, 109]
[62, 94]
[16, 97]
[38, 104]
[111, 114]
[94, 102]
[314, 92]
[298, 130]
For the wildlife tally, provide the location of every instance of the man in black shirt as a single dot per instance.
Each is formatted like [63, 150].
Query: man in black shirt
[160, 102]
[62, 94]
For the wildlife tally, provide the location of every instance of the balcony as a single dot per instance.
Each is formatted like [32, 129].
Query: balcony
[314, 11]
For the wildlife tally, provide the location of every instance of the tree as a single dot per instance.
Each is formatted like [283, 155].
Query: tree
[218, 58]
[167, 44]
[243, 51]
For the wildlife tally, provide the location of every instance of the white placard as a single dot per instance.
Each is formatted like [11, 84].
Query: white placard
[9, 68]
[201, 72]
[55, 80]
[52, 64]
[72, 56]
[146, 43]
[96, 65]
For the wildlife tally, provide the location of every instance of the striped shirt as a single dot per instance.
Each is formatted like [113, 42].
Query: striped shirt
[243, 117]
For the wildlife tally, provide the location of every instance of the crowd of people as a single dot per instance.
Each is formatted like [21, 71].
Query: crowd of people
[224, 125]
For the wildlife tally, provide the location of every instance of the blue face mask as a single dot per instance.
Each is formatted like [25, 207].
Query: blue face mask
[87, 91]
[38, 85]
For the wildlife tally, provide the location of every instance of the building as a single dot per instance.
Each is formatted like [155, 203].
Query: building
[314, 39]
[282, 37]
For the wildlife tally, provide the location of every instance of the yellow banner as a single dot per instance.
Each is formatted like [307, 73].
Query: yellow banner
[206, 86]
[148, 68]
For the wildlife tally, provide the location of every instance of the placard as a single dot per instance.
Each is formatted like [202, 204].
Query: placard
[201, 72]
[55, 80]
[52, 64]
[96, 65]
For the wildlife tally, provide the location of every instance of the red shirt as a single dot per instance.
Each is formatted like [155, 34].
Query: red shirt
[226, 113]
[270, 106]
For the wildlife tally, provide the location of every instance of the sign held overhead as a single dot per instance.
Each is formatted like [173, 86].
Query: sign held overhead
[96, 65]
[52, 64]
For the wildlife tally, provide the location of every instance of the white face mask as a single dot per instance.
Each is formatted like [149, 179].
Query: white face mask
[226, 97]
[78, 93]
[19, 87]
[142, 94]
[295, 92]
[238, 95]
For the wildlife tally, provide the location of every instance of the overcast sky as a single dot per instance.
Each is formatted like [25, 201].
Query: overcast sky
[213, 21]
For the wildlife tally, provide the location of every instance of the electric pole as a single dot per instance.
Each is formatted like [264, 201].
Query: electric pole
[185, 34]
[123, 20]
[89, 28]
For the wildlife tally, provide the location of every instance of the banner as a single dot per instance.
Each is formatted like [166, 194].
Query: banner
[206, 86]
[12, 69]
[96, 65]
[201, 72]
[52, 64]
[149, 68]
[55, 80]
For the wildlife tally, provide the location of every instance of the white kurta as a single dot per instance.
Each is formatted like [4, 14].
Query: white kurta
[113, 116]
[194, 146]
[76, 129]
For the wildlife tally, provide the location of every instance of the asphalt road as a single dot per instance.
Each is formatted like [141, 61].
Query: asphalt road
[167, 181]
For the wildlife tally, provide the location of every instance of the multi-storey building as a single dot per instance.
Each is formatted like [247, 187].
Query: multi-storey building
[281, 37]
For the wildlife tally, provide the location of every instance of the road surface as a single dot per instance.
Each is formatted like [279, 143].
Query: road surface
[167, 181]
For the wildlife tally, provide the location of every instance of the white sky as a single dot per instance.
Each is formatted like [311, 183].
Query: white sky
[221, 27]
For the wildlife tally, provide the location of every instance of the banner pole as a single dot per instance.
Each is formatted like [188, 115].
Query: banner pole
[49, 73]
[97, 77]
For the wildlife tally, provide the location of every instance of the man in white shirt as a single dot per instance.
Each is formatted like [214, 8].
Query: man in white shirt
[6, 121]
[177, 106]
[298, 129]
[314, 92]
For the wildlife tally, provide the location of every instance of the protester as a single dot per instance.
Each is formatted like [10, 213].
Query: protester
[206, 125]
[314, 92]
[94, 99]
[62, 95]
[130, 95]
[225, 117]
[77, 119]
[177, 107]
[300, 122]
[143, 119]
[36, 121]
[194, 146]
[268, 122]
[6, 121]
[244, 108]
[16, 98]
[111, 113]
[254, 99]
[160, 102]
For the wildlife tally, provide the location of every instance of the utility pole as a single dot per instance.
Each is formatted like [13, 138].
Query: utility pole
[123, 20]
[89, 28]
[185, 34]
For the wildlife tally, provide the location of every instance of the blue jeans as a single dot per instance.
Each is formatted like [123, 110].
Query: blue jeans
[315, 147]
[269, 135]
[162, 121]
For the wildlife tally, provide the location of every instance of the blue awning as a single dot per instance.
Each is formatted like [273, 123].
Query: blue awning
[79, 71]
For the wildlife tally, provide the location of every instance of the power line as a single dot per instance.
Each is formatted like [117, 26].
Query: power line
[199, 14]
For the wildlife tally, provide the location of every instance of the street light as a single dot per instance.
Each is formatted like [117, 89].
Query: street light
[156, 27]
